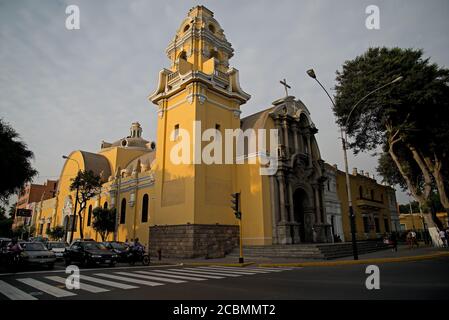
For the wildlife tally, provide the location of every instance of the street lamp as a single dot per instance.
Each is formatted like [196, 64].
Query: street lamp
[311, 73]
[72, 226]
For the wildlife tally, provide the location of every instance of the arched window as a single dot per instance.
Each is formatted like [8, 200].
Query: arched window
[89, 216]
[360, 192]
[145, 208]
[123, 211]
[183, 55]
[372, 194]
[105, 205]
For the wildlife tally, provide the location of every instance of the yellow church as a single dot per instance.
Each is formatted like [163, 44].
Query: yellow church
[184, 209]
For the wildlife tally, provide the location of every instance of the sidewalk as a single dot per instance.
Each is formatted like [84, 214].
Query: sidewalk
[403, 254]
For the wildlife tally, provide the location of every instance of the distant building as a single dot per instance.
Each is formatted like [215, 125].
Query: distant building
[30, 194]
[415, 221]
[332, 203]
[371, 204]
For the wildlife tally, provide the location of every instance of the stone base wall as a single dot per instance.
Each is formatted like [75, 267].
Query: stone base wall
[193, 240]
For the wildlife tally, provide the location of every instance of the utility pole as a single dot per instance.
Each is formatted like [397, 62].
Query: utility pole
[235, 205]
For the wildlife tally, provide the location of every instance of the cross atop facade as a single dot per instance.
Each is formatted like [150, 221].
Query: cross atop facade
[284, 83]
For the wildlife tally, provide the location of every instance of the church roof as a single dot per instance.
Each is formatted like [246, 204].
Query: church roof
[256, 120]
[96, 163]
[144, 160]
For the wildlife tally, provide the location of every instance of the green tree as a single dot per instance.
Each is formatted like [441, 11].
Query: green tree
[56, 233]
[104, 221]
[15, 162]
[407, 120]
[88, 185]
[5, 224]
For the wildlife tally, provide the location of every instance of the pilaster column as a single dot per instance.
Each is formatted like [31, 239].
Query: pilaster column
[295, 137]
[317, 204]
[309, 147]
[290, 200]
[283, 211]
[286, 142]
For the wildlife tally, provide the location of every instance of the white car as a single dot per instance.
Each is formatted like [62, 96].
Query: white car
[58, 247]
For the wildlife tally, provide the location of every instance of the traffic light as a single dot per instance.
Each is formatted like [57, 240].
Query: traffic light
[235, 201]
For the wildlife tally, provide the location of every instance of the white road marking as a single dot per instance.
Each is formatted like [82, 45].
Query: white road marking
[194, 270]
[254, 270]
[13, 293]
[189, 274]
[42, 286]
[107, 282]
[227, 271]
[172, 275]
[150, 277]
[83, 286]
[137, 281]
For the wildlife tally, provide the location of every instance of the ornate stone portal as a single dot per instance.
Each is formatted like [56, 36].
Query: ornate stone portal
[298, 204]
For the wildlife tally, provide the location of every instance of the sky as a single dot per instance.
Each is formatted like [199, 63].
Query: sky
[64, 90]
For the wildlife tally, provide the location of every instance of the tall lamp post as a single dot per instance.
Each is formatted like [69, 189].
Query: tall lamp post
[311, 73]
[72, 225]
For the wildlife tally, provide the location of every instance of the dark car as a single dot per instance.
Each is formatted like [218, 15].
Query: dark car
[119, 248]
[35, 253]
[3, 248]
[89, 253]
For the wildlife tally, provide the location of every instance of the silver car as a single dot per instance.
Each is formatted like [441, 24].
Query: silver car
[58, 248]
[35, 253]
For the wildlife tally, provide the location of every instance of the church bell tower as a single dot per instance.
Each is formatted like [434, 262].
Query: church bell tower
[199, 91]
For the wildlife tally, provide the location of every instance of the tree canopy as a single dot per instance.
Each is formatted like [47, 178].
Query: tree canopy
[406, 120]
[104, 221]
[15, 162]
[88, 185]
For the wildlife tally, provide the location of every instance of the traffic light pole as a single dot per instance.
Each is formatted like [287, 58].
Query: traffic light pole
[241, 242]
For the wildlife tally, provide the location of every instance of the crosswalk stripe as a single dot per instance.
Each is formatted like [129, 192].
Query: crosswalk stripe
[83, 286]
[172, 275]
[42, 286]
[137, 281]
[254, 270]
[108, 283]
[195, 270]
[276, 269]
[193, 274]
[150, 277]
[13, 293]
[227, 271]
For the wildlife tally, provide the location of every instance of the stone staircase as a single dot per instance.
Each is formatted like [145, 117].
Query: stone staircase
[309, 251]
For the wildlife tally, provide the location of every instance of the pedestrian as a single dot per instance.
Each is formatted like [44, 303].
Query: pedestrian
[409, 239]
[443, 238]
[394, 242]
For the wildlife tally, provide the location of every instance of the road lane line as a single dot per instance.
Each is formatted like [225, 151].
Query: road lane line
[239, 269]
[177, 271]
[226, 271]
[108, 283]
[13, 293]
[194, 270]
[83, 286]
[44, 287]
[150, 277]
[172, 275]
[137, 281]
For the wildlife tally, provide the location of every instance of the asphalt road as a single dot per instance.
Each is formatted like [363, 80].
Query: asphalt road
[407, 280]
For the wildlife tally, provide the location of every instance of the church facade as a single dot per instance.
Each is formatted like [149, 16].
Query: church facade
[184, 209]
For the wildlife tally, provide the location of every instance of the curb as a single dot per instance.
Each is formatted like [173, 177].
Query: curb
[219, 264]
[355, 262]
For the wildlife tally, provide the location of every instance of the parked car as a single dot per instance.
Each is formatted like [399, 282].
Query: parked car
[35, 253]
[58, 247]
[89, 253]
[3, 248]
[119, 248]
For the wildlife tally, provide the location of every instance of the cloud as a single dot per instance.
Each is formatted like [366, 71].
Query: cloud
[64, 90]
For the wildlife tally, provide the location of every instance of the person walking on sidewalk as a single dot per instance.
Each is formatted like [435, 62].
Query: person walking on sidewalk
[443, 238]
[394, 242]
